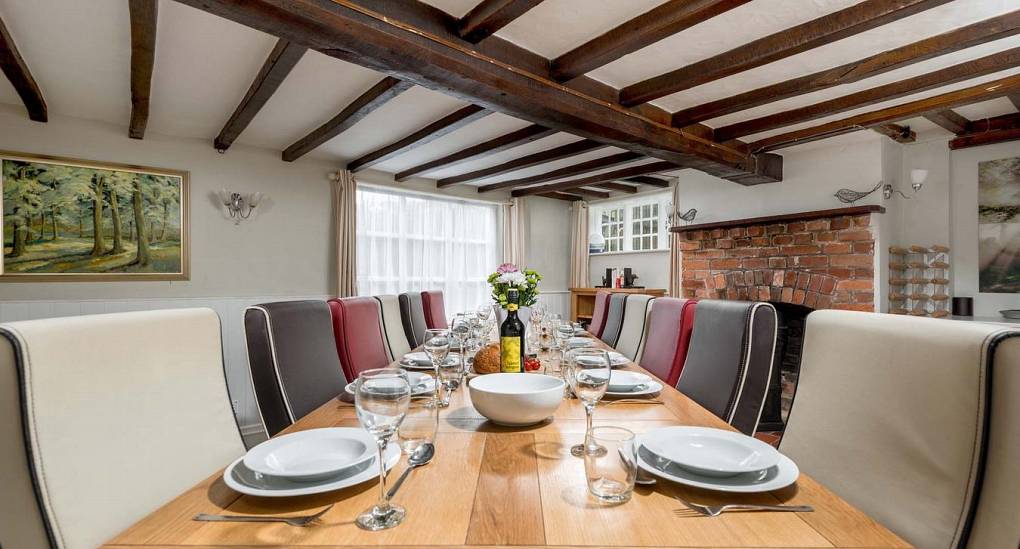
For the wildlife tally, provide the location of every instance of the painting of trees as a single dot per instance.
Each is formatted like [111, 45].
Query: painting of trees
[74, 220]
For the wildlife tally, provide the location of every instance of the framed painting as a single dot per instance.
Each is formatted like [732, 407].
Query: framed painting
[76, 220]
[999, 226]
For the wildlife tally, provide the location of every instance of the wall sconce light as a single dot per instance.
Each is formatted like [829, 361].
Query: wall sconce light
[239, 206]
[917, 178]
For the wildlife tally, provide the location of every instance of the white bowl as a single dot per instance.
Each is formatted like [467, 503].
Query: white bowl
[516, 399]
[311, 455]
[710, 452]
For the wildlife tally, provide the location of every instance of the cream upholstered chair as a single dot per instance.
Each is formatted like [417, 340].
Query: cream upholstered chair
[393, 329]
[632, 331]
[893, 414]
[104, 419]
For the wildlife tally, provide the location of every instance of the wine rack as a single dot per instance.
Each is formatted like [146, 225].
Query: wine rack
[919, 281]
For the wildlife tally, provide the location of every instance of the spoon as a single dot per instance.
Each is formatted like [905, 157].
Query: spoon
[421, 456]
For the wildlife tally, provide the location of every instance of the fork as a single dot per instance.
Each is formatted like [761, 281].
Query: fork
[716, 510]
[630, 401]
[293, 521]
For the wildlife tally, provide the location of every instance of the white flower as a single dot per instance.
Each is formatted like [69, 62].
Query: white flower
[513, 279]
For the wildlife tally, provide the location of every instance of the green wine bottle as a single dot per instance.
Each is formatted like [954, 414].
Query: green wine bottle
[511, 337]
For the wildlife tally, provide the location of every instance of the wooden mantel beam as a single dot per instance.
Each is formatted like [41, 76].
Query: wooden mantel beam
[143, 15]
[447, 124]
[20, 77]
[282, 59]
[812, 34]
[488, 16]
[948, 119]
[643, 169]
[411, 41]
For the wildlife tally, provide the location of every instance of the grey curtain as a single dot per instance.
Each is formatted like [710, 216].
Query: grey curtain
[579, 244]
[345, 217]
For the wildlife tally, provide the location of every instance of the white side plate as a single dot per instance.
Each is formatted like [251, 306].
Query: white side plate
[710, 452]
[312, 454]
[779, 476]
[244, 480]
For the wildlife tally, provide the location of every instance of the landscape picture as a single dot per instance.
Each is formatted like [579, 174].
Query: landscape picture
[74, 220]
[999, 225]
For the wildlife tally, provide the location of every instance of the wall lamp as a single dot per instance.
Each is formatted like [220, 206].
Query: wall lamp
[239, 206]
[917, 178]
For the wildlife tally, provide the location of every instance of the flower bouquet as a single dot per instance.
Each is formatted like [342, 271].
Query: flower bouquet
[509, 276]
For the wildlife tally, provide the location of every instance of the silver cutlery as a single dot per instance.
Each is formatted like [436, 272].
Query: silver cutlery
[303, 521]
[630, 401]
[716, 510]
[421, 457]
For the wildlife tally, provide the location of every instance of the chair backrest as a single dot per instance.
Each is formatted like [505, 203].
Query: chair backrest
[892, 413]
[412, 316]
[435, 310]
[106, 418]
[729, 363]
[393, 327]
[662, 353]
[359, 335]
[614, 319]
[632, 332]
[598, 315]
[292, 360]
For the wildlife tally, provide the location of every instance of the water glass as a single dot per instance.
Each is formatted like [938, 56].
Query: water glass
[437, 347]
[419, 425]
[381, 399]
[451, 374]
[587, 371]
[611, 471]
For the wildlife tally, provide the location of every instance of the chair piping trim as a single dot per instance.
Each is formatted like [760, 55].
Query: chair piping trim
[247, 359]
[386, 333]
[276, 365]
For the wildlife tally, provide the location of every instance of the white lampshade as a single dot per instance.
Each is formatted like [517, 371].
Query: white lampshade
[596, 240]
[918, 176]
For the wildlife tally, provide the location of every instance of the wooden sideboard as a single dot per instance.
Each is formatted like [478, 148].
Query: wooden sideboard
[582, 300]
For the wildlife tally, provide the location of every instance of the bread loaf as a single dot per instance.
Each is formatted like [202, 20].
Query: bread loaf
[487, 359]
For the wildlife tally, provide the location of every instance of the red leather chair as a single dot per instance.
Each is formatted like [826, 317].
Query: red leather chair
[357, 327]
[598, 316]
[686, 331]
[435, 312]
[670, 324]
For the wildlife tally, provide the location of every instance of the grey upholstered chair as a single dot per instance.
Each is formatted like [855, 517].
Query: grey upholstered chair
[903, 417]
[729, 363]
[393, 326]
[412, 316]
[292, 359]
[104, 419]
[632, 332]
[614, 319]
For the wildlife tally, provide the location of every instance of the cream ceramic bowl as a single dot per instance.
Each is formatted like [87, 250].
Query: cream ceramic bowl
[516, 399]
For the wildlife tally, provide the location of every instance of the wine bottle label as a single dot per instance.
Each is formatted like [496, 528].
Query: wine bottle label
[510, 354]
[511, 306]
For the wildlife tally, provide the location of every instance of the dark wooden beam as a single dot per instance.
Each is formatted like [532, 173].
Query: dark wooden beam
[899, 134]
[648, 180]
[954, 40]
[948, 120]
[143, 15]
[562, 196]
[949, 75]
[550, 155]
[999, 129]
[281, 61]
[396, 37]
[488, 16]
[643, 169]
[818, 32]
[365, 104]
[513, 139]
[17, 72]
[1003, 122]
[649, 27]
[568, 171]
[965, 96]
[592, 193]
[1014, 98]
[621, 187]
[449, 123]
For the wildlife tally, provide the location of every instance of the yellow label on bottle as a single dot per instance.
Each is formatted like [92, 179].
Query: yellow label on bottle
[510, 355]
[511, 306]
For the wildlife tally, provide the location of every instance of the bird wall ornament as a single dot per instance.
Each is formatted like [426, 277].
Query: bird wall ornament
[689, 215]
[849, 196]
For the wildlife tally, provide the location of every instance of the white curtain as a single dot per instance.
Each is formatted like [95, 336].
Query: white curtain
[413, 242]
[579, 245]
[344, 221]
[675, 255]
[513, 232]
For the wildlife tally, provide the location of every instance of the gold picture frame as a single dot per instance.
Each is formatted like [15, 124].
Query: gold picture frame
[46, 185]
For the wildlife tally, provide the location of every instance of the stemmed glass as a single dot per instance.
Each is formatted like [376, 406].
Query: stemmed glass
[437, 347]
[381, 398]
[587, 371]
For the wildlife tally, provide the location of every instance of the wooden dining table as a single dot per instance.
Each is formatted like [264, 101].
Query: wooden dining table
[490, 485]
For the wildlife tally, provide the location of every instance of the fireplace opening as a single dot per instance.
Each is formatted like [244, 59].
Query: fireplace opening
[786, 366]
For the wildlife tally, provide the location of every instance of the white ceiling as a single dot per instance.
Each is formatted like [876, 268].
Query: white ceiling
[78, 51]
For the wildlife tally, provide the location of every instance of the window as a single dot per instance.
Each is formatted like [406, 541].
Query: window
[635, 224]
[645, 227]
[612, 229]
[414, 242]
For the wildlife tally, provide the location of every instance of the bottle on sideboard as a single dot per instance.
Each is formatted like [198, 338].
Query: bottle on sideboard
[511, 337]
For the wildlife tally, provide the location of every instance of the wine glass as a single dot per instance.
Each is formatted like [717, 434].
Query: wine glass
[588, 372]
[381, 398]
[437, 347]
[484, 312]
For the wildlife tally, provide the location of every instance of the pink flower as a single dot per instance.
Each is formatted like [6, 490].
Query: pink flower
[507, 268]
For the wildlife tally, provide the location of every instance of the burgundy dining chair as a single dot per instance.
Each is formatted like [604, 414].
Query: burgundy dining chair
[357, 328]
[435, 311]
[670, 323]
[598, 315]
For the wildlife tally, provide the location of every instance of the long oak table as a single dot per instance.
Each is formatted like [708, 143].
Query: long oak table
[492, 486]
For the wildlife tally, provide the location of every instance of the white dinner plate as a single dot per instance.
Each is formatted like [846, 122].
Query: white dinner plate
[621, 380]
[578, 342]
[415, 361]
[244, 480]
[421, 384]
[615, 358]
[651, 388]
[710, 452]
[312, 454]
[778, 476]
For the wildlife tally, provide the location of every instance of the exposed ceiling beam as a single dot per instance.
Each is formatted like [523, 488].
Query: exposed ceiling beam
[1014, 98]
[592, 193]
[488, 16]
[948, 119]
[942, 77]
[513, 139]
[899, 134]
[395, 38]
[649, 27]
[281, 61]
[954, 40]
[568, 171]
[818, 32]
[143, 15]
[550, 155]
[365, 104]
[562, 196]
[447, 124]
[21, 78]
[999, 129]
[966, 96]
[643, 169]
[648, 180]
[621, 187]
[1003, 122]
